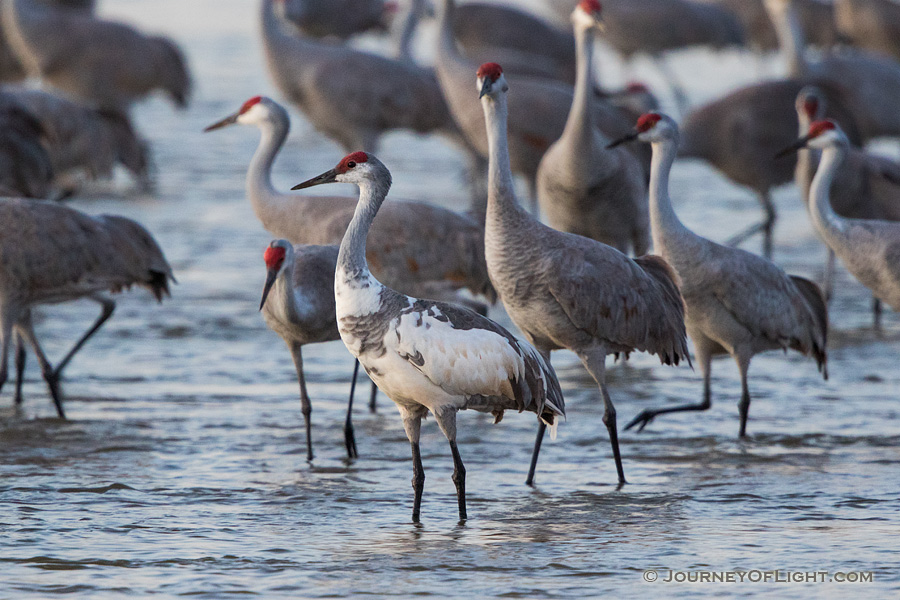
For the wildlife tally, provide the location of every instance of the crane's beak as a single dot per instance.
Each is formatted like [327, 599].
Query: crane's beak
[229, 120]
[271, 276]
[801, 143]
[628, 138]
[600, 24]
[486, 87]
[326, 177]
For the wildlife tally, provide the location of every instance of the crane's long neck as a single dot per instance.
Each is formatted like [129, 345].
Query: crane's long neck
[352, 255]
[283, 46]
[408, 30]
[272, 208]
[666, 225]
[503, 208]
[807, 158]
[791, 39]
[824, 218]
[448, 55]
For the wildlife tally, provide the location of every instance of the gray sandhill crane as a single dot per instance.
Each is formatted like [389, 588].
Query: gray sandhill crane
[414, 246]
[737, 303]
[567, 291]
[865, 187]
[53, 254]
[583, 187]
[869, 248]
[870, 24]
[538, 109]
[816, 18]
[337, 18]
[873, 80]
[105, 64]
[428, 356]
[298, 304]
[82, 140]
[739, 134]
[26, 168]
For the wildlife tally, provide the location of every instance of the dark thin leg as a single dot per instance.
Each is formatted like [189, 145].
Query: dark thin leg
[644, 418]
[50, 374]
[305, 405]
[609, 419]
[20, 367]
[107, 308]
[744, 404]
[459, 478]
[6, 332]
[542, 427]
[418, 480]
[766, 227]
[876, 315]
[373, 397]
[349, 438]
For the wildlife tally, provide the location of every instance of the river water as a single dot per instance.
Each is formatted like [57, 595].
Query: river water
[182, 470]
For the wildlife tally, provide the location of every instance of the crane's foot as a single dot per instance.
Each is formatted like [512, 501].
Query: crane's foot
[350, 442]
[642, 420]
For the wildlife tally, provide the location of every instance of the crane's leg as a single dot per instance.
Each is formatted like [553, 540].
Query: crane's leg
[828, 284]
[305, 406]
[373, 397]
[412, 423]
[876, 315]
[704, 357]
[594, 361]
[20, 367]
[6, 331]
[743, 363]
[766, 227]
[447, 422]
[542, 427]
[107, 307]
[51, 375]
[349, 437]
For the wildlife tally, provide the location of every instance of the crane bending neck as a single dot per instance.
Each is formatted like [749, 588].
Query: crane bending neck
[791, 40]
[663, 219]
[824, 218]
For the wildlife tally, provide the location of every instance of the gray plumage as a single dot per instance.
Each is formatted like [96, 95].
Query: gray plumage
[566, 291]
[870, 24]
[102, 63]
[816, 18]
[583, 186]
[414, 246]
[336, 18]
[26, 169]
[51, 254]
[737, 302]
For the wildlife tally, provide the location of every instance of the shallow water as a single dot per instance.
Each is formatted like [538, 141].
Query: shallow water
[182, 468]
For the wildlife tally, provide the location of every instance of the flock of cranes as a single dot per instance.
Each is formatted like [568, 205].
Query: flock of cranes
[407, 285]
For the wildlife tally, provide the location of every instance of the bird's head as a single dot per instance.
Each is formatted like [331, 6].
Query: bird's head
[811, 103]
[490, 80]
[588, 14]
[651, 127]
[278, 256]
[254, 111]
[822, 134]
[358, 168]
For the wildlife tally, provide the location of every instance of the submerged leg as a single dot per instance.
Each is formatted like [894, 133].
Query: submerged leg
[767, 227]
[51, 375]
[876, 315]
[542, 427]
[106, 310]
[20, 367]
[305, 406]
[447, 422]
[373, 397]
[594, 361]
[744, 405]
[412, 423]
[6, 332]
[349, 438]
[704, 357]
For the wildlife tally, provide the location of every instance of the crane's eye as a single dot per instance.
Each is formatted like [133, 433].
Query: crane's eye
[351, 164]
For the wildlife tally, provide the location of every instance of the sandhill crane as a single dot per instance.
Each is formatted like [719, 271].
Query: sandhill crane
[54, 254]
[873, 80]
[869, 248]
[298, 304]
[102, 63]
[816, 18]
[82, 140]
[337, 18]
[428, 356]
[737, 303]
[538, 110]
[584, 188]
[567, 291]
[739, 134]
[865, 187]
[870, 24]
[415, 247]
[26, 168]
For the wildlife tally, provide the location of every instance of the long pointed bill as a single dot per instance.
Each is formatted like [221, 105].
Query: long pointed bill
[271, 276]
[801, 143]
[486, 87]
[628, 138]
[326, 177]
[229, 120]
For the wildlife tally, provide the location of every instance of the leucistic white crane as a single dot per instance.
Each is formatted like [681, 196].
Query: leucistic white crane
[105, 64]
[870, 24]
[869, 248]
[428, 356]
[867, 186]
[737, 302]
[53, 254]
[583, 187]
[567, 291]
[414, 246]
[298, 304]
